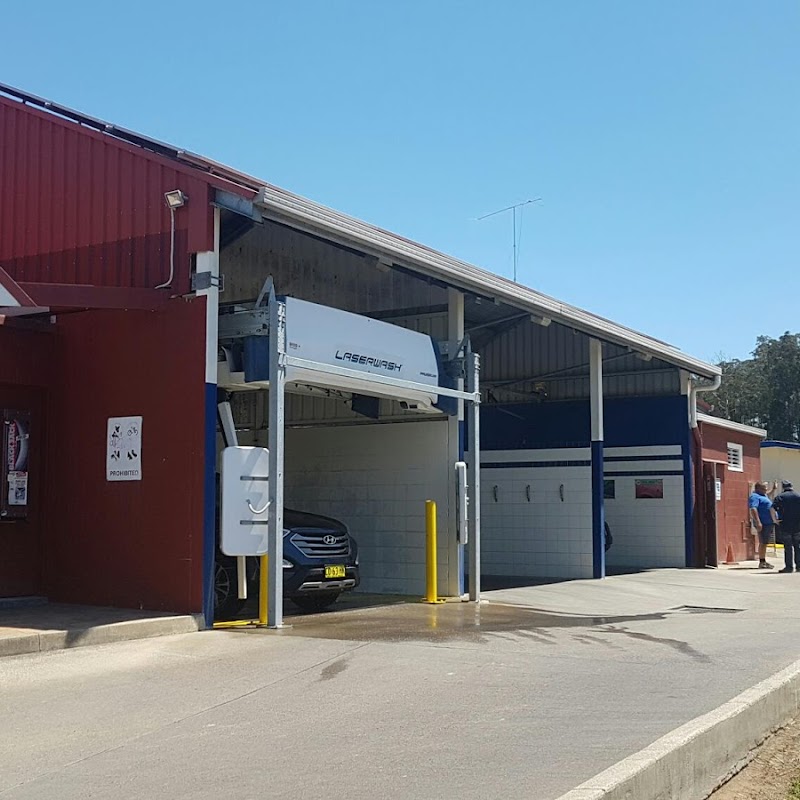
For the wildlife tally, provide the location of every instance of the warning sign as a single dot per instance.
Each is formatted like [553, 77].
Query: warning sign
[124, 449]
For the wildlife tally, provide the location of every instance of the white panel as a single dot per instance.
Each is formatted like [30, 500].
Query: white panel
[376, 479]
[245, 495]
[551, 454]
[647, 534]
[641, 466]
[544, 536]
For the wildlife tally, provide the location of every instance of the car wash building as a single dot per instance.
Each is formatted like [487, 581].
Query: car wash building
[143, 288]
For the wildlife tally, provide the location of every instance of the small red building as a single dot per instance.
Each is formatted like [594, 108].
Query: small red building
[730, 457]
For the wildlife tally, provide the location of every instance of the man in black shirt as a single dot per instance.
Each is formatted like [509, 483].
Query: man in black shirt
[787, 504]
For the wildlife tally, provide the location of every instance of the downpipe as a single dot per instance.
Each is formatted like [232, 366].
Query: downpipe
[695, 387]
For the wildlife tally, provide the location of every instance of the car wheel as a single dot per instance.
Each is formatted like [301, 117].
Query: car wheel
[315, 602]
[226, 596]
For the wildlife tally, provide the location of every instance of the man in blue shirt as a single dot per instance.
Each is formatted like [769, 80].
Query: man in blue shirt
[763, 517]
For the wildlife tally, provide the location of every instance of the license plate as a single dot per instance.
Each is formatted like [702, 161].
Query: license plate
[334, 572]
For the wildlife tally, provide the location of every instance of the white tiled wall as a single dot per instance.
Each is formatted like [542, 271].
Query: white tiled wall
[376, 479]
[647, 533]
[543, 536]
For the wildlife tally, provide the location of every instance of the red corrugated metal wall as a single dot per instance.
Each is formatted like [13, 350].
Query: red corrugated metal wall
[136, 544]
[79, 207]
[24, 380]
[732, 527]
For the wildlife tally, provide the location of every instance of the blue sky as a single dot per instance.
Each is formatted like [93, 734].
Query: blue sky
[663, 137]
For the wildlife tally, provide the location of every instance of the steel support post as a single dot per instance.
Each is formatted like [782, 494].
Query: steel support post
[277, 382]
[474, 446]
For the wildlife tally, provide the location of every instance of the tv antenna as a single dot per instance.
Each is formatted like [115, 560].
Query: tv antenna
[514, 240]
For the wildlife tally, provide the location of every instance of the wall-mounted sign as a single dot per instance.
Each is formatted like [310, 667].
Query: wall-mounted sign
[124, 449]
[652, 489]
[718, 489]
[15, 448]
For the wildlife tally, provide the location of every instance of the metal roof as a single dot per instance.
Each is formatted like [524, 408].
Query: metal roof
[731, 425]
[303, 214]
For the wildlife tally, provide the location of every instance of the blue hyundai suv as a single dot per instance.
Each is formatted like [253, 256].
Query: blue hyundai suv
[320, 561]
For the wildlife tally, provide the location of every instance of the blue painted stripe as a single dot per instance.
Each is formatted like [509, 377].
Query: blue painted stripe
[210, 502]
[462, 444]
[643, 472]
[533, 464]
[677, 457]
[688, 498]
[786, 445]
[598, 513]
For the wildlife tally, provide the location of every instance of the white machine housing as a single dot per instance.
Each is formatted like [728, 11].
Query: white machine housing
[329, 337]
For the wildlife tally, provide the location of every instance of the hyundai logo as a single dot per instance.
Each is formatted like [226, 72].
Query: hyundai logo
[329, 539]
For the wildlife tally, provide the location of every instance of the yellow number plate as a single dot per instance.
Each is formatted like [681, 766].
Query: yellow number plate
[334, 572]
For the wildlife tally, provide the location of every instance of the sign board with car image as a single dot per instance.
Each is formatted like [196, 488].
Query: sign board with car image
[15, 464]
[124, 449]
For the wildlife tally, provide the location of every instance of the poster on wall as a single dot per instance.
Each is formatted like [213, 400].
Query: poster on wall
[15, 464]
[124, 449]
[652, 489]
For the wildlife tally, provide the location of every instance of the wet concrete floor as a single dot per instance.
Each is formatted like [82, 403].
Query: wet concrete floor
[476, 624]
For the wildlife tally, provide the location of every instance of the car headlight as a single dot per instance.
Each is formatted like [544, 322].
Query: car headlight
[287, 564]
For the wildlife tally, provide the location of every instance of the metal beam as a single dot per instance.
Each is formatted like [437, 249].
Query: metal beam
[277, 397]
[501, 321]
[343, 372]
[474, 479]
[238, 205]
[254, 322]
[583, 367]
[414, 311]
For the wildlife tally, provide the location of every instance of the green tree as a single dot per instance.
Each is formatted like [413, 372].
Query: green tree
[779, 361]
[764, 390]
[740, 395]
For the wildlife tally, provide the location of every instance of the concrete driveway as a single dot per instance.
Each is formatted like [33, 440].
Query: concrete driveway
[524, 697]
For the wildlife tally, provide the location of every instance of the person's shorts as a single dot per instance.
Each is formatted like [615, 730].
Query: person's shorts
[765, 534]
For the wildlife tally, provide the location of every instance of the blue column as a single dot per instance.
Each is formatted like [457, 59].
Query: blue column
[209, 502]
[596, 404]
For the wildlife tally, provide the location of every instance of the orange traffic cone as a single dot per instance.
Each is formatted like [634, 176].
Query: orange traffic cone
[729, 559]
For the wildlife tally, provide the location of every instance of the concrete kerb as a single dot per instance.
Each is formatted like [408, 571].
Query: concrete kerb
[126, 630]
[692, 761]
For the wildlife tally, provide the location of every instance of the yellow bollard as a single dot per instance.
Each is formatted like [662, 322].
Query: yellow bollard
[431, 595]
[263, 579]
